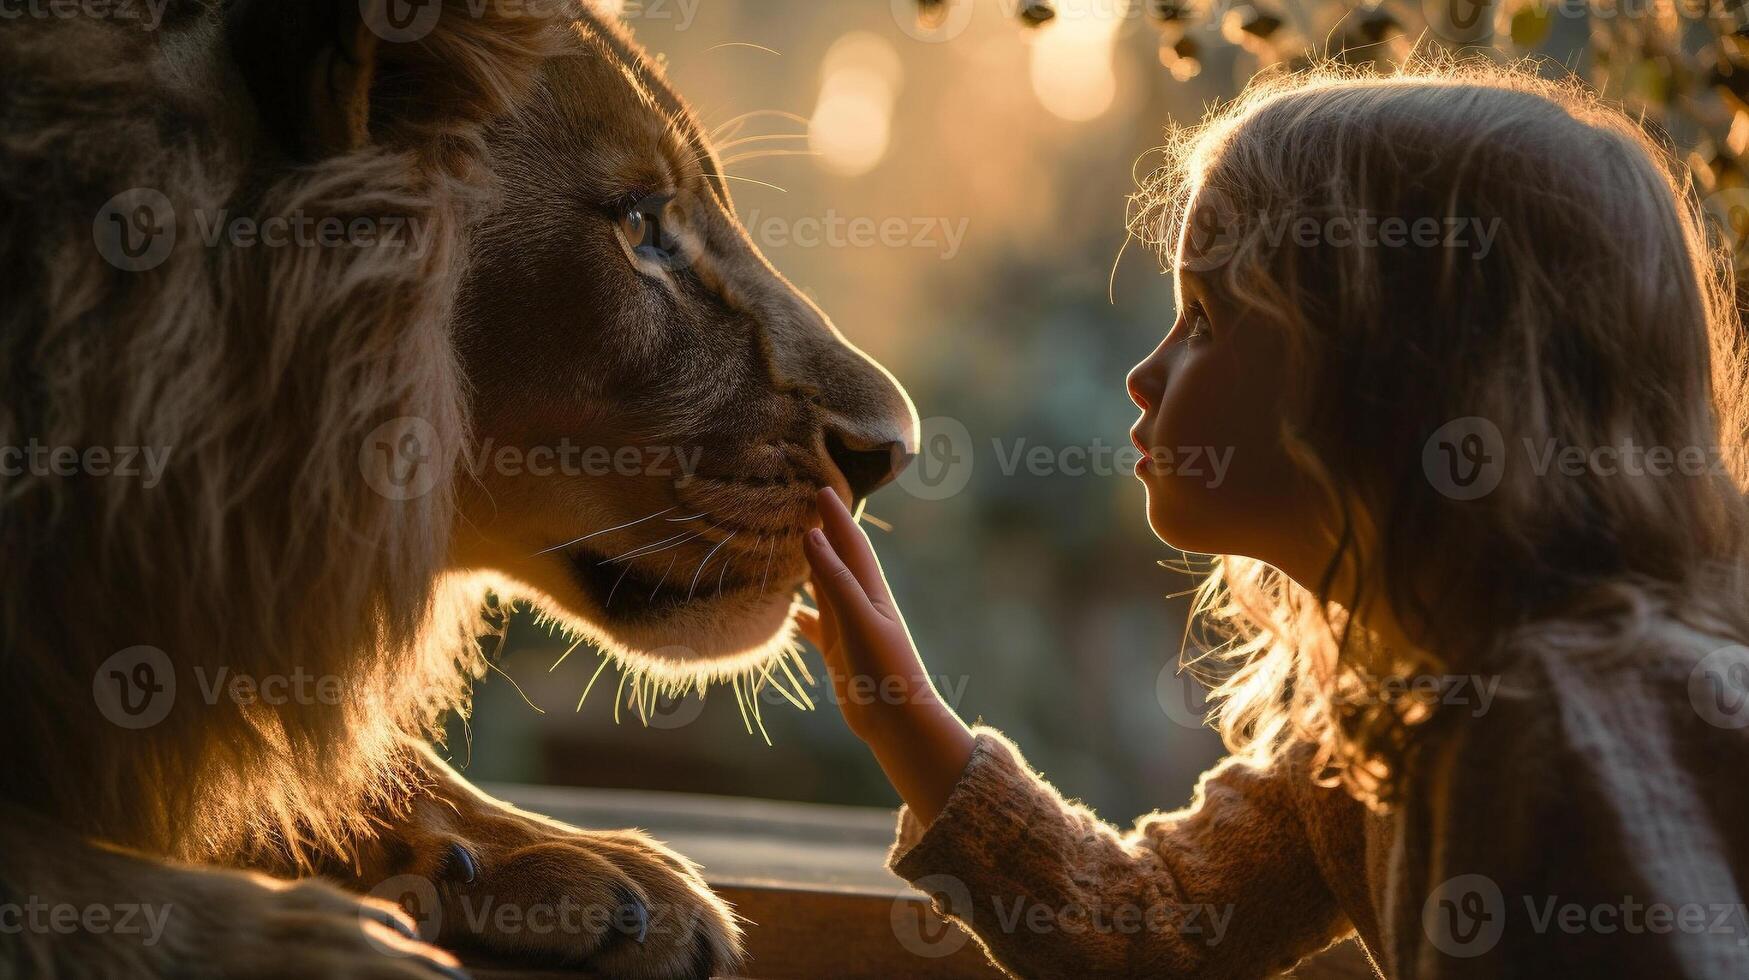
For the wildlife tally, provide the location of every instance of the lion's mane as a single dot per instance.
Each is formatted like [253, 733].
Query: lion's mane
[263, 552]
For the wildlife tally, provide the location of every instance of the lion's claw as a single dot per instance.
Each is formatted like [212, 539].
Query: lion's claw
[634, 916]
[459, 864]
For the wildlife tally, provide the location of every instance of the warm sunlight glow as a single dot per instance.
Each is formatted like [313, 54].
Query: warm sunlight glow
[852, 123]
[1072, 64]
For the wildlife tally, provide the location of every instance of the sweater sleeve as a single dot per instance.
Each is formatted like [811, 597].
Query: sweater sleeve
[1226, 888]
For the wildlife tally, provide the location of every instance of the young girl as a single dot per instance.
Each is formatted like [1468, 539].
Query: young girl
[1482, 380]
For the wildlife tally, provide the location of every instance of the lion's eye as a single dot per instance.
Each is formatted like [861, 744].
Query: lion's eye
[641, 224]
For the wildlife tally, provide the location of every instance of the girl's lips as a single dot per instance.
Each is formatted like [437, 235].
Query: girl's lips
[1136, 439]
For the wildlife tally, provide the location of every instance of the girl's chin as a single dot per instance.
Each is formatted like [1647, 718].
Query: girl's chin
[1182, 525]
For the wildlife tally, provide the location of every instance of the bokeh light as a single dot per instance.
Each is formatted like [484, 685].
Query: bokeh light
[852, 123]
[1072, 64]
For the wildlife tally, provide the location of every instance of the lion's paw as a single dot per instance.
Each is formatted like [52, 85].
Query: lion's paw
[617, 902]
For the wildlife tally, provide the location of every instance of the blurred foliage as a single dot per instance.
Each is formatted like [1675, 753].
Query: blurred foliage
[1683, 64]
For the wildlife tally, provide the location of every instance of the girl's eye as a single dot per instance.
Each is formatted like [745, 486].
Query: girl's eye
[642, 226]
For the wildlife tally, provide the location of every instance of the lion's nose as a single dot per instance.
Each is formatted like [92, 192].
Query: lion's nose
[869, 464]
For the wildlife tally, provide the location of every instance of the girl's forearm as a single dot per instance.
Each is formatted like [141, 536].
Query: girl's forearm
[923, 754]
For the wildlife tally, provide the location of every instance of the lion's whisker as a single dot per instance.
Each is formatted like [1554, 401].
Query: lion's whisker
[605, 659]
[682, 520]
[567, 653]
[592, 534]
[765, 138]
[721, 131]
[610, 592]
[707, 561]
[619, 694]
[744, 44]
[741, 158]
[749, 180]
[664, 577]
[649, 549]
[783, 661]
[770, 552]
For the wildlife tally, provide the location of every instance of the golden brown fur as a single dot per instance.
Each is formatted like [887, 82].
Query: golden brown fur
[273, 377]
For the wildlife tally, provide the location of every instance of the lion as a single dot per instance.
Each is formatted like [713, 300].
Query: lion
[314, 261]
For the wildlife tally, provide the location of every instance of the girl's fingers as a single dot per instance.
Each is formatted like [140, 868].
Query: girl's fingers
[852, 545]
[834, 584]
[808, 621]
[828, 618]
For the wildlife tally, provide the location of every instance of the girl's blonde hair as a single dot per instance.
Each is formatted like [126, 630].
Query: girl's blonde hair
[1597, 314]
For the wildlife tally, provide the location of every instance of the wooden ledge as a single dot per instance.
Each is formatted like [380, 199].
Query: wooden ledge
[812, 882]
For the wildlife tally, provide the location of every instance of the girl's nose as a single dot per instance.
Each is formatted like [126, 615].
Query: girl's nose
[1147, 379]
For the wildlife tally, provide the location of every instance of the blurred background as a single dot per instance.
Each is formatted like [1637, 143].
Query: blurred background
[951, 189]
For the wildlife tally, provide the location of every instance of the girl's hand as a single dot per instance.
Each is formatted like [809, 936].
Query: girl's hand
[882, 688]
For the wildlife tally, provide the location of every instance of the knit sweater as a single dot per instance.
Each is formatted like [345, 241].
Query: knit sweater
[1590, 819]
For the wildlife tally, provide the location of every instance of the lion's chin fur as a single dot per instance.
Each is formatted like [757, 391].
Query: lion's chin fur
[693, 649]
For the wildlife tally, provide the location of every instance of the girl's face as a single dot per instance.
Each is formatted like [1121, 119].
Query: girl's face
[1219, 479]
